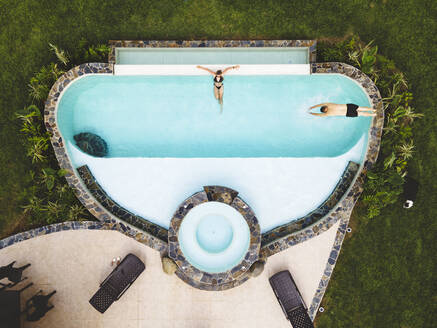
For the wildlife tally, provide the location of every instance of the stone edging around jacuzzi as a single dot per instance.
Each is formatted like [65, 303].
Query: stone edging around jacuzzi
[205, 280]
[344, 207]
[311, 44]
[318, 227]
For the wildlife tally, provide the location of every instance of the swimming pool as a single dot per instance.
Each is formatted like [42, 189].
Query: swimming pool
[167, 136]
[168, 116]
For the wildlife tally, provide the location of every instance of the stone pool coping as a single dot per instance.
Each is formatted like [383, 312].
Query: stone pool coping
[205, 280]
[311, 44]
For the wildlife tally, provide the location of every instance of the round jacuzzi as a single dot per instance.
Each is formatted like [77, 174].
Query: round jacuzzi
[214, 237]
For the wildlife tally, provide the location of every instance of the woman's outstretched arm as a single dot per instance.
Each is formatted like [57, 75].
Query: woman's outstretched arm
[206, 69]
[229, 68]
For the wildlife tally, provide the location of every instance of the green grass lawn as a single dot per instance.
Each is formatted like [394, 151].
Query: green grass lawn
[384, 277]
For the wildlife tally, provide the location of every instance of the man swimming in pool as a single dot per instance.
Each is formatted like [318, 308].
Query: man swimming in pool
[218, 81]
[348, 110]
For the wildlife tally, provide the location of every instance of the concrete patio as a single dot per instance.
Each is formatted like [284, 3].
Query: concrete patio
[75, 262]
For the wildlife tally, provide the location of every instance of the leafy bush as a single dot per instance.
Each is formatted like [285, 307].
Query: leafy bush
[87, 53]
[385, 179]
[48, 198]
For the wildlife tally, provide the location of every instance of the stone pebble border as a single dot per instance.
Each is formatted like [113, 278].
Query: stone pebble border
[69, 225]
[310, 44]
[329, 268]
[205, 280]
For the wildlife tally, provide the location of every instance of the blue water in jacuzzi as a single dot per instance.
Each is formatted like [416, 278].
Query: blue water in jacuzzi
[177, 116]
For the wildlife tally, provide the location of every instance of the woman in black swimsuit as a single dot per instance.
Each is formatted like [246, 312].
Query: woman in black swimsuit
[218, 81]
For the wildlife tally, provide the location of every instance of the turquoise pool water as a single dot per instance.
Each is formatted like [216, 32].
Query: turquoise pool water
[178, 116]
[205, 56]
[214, 237]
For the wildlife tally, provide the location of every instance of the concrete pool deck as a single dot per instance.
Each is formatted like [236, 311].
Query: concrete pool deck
[75, 262]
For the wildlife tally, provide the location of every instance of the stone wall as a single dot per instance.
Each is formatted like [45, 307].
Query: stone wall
[311, 44]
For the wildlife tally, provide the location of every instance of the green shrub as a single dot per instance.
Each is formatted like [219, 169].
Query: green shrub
[384, 181]
[47, 197]
[87, 53]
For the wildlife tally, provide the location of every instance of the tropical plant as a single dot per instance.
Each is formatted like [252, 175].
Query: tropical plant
[54, 211]
[406, 150]
[385, 179]
[61, 190]
[34, 205]
[37, 148]
[60, 54]
[40, 84]
[47, 198]
[365, 57]
[86, 52]
[409, 114]
[390, 160]
[76, 212]
[391, 126]
[37, 90]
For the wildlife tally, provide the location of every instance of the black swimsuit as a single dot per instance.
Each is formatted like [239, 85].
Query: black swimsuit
[351, 110]
[220, 80]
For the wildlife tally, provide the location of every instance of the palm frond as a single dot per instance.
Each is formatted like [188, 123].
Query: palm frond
[406, 150]
[60, 54]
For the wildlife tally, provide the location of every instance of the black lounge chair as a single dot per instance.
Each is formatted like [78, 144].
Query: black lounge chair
[37, 306]
[118, 281]
[10, 307]
[290, 300]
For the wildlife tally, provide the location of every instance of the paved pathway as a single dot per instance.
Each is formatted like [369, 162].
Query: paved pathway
[75, 262]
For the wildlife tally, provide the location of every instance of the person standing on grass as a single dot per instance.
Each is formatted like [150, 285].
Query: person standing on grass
[348, 110]
[218, 82]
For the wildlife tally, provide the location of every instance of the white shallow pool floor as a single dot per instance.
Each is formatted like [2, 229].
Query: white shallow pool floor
[279, 190]
[76, 262]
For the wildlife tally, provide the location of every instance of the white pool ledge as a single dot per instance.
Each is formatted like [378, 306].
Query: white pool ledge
[273, 69]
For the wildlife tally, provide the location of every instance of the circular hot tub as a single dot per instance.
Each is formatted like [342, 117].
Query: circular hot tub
[214, 237]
